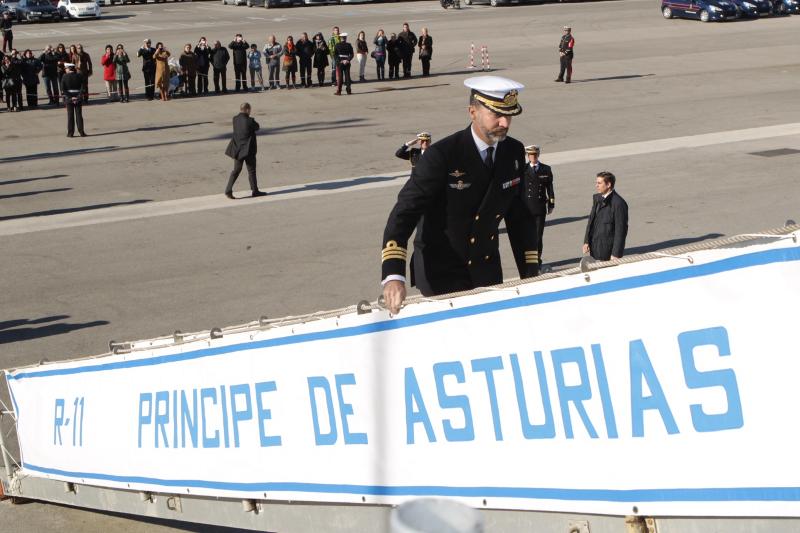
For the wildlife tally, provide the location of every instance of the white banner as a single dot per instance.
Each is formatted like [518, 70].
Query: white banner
[659, 387]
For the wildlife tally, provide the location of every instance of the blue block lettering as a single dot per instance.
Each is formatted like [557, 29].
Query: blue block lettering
[574, 394]
[189, 419]
[547, 429]
[346, 409]
[240, 415]
[641, 368]
[209, 393]
[453, 434]
[326, 439]
[725, 378]
[605, 395]
[265, 414]
[415, 416]
[160, 420]
[223, 400]
[488, 365]
[59, 421]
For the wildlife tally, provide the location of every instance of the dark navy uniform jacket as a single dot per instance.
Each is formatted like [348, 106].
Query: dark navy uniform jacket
[409, 154]
[538, 189]
[456, 204]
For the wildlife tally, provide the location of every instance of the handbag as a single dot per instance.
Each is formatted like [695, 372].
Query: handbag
[8, 83]
[424, 53]
[372, 54]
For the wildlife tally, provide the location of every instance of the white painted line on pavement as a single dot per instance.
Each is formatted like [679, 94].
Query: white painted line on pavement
[190, 205]
[324, 188]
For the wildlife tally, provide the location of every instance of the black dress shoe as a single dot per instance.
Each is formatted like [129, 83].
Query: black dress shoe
[83, 134]
[70, 135]
[259, 193]
[230, 195]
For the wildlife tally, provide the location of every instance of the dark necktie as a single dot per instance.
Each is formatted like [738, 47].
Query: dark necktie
[489, 158]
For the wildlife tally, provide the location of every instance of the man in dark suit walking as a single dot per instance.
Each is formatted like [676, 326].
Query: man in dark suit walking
[242, 149]
[538, 195]
[456, 197]
[608, 221]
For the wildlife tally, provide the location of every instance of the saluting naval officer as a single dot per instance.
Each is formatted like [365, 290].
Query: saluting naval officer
[538, 195]
[456, 197]
[413, 154]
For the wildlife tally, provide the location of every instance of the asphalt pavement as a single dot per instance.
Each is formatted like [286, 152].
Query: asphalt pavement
[125, 234]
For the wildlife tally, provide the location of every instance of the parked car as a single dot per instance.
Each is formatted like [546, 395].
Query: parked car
[33, 10]
[270, 3]
[319, 2]
[753, 8]
[495, 3]
[704, 10]
[785, 7]
[79, 9]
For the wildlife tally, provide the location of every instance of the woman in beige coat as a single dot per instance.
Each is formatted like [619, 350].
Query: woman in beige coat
[161, 58]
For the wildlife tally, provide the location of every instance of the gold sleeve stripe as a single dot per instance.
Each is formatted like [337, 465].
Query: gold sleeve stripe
[531, 261]
[386, 257]
[394, 251]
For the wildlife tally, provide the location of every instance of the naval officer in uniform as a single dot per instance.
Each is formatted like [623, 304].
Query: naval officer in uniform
[412, 154]
[538, 195]
[456, 197]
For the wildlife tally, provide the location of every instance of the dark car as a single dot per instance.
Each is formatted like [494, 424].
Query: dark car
[34, 10]
[495, 3]
[705, 10]
[785, 7]
[273, 3]
[754, 8]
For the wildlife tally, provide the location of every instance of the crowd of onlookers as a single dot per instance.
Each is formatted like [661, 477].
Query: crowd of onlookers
[292, 64]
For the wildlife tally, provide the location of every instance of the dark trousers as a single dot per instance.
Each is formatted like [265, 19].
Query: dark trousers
[250, 161]
[149, 83]
[51, 85]
[220, 73]
[14, 97]
[566, 66]
[343, 76]
[122, 90]
[321, 75]
[8, 39]
[394, 69]
[407, 66]
[539, 221]
[202, 80]
[274, 76]
[426, 66]
[30, 94]
[240, 71]
[74, 114]
[305, 71]
[334, 65]
[190, 88]
[85, 88]
[380, 62]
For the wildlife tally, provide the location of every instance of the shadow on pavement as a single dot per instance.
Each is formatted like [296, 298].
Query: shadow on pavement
[644, 249]
[33, 193]
[14, 333]
[47, 155]
[73, 209]
[556, 221]
[336, 185]
[153, 128]
[26, 180]
[411, 88]
[612, 78]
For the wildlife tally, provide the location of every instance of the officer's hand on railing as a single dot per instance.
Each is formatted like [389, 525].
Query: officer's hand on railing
[586, 249]
[394, 293]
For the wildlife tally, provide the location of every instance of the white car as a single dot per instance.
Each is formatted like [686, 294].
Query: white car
[79, 9]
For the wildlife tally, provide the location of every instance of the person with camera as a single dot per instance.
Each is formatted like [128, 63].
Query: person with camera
[202, 54]
[343, 54]
[146, 52]
[72, 89]
[161, 57]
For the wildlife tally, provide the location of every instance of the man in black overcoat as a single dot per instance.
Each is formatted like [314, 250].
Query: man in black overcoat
[242, 149]
[608, 221]
[457, 195]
